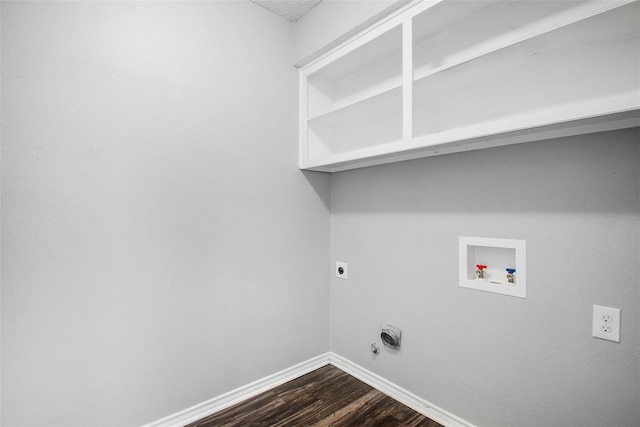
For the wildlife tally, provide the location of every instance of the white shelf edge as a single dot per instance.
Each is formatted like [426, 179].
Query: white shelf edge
[303, 131]
[360, 40]
[551, 24]
[533, 121]
[427, 146]
[407, 78]
[367, 26]
[349, 102]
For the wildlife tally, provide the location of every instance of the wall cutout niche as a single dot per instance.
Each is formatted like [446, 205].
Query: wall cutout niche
[493, 265]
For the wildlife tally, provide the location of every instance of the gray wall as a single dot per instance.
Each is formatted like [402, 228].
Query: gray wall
[160, 246]
[493, 359]
[151, 203]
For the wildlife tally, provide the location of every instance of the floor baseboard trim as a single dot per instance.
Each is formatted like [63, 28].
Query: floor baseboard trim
[226, 400]
[398, 393]
[204, 409]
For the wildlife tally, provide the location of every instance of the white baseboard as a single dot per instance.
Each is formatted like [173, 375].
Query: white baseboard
[204, 409]
[398, 393]
[226, 400]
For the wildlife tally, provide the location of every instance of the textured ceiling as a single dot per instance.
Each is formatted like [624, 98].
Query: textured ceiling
[289, 9]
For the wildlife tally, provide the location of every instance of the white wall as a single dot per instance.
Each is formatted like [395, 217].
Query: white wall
[160, 246]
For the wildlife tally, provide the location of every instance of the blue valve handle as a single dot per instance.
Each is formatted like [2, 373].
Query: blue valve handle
[511, 270]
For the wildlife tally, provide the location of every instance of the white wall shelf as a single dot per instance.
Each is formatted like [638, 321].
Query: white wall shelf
[448, 76]
[496, 258]
[367, 71]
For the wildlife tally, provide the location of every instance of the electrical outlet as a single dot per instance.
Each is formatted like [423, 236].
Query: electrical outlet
[606, 323]
[341, 270]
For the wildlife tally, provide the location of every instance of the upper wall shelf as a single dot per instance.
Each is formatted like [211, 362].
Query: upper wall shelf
[445, 76]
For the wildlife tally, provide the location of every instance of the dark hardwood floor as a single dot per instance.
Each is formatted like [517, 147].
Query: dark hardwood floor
[324, 397]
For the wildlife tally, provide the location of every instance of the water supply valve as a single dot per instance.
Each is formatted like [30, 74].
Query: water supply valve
[480, 270]
[510, 276]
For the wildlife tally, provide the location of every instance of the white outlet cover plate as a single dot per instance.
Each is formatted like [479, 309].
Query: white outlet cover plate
[606, 323]
[344, 275]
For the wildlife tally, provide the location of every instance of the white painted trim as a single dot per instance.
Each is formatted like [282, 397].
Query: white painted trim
[398, 393]
[226, 400]
[375, 21]
[454, 141]
[303, 131]
[407, 79]
[347, 48]
[240, 394]
[557, 119]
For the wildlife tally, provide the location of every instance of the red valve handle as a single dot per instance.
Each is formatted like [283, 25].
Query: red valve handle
[481, 267]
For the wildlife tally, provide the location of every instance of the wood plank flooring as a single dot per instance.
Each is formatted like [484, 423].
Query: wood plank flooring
[322, 398]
